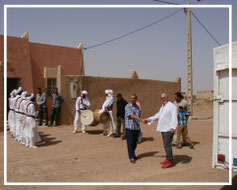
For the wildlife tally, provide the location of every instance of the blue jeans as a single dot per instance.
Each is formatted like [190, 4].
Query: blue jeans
[132, 137]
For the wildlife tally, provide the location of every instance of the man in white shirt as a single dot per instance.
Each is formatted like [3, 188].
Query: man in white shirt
[167, 125]
[108, 107]
[82, 104]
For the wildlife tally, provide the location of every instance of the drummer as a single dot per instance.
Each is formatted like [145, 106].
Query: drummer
[108, 107]
[82, 103]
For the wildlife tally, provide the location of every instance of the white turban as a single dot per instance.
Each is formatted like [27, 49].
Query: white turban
[84, 92]
[19, 90]
[108, 91]
[24, 94]
[30, 97]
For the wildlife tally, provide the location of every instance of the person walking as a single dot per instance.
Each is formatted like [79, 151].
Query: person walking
[82, 104]
[41, 101]
[56, 107]
[121, 103]
[167, 125]
[132, 126]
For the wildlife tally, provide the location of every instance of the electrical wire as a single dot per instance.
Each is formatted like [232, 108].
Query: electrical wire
[166, 2]
[205, 28]
[127, 34]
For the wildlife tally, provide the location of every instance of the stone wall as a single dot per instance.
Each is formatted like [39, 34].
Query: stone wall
[148, 92]
[205, 95]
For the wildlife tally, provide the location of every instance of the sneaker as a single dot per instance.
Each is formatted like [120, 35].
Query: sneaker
[133, 160]
[116, 136]
[179, 146]
[83, 132]
[109, 135]
[74, 132]
[163, 162]
[167, 164]
[34, 146]
[191, 146]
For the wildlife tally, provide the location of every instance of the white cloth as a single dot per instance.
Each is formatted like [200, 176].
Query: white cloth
[81, 104]
[17, 117]
[11, 117]
[107, 103]
[167, 118]
[30, 130]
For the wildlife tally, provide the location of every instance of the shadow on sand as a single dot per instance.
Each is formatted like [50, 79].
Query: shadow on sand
[183, 159]
[233, 186]
[147, 154]
[95, 132]
[46, 140]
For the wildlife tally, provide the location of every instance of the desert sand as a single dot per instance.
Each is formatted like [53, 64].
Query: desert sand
[66, 157]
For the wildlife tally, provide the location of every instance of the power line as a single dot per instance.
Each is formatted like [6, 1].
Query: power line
[166, 2]
[127, 34]
[205, 28]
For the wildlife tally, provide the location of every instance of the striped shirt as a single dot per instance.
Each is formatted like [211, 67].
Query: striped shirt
[130, 123]
[183, 117]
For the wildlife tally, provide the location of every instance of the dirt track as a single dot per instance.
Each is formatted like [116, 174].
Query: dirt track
[65, 157]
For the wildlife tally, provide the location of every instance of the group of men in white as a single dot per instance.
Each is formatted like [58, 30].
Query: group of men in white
[21, 118]
[82, 103]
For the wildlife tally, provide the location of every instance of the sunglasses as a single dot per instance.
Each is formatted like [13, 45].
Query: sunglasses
[163, 98]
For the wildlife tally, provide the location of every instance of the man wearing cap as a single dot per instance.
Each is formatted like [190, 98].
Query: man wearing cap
[121, 104]
[82, 104]
[108, 107]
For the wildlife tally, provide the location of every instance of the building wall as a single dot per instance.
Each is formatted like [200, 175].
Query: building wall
[26, 61]
[205, 95]
[148, 92]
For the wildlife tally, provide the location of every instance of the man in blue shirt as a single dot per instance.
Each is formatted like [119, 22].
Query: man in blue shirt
[132, 126]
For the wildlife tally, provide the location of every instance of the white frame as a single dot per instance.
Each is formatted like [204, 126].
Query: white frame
[117, 6]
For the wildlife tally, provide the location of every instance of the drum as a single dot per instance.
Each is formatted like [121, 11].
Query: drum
[102, 118]
[87, 118]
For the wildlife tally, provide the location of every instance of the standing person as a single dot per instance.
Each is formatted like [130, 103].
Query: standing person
[31, 132]
[140, 134]
[57, 101]
[180, 101]
[182, 129]
[41, 101]
[11, 113]
[13, 103]
[82, 104]
[121, 103]
[167, 125]
[132, 125]
[108, 107]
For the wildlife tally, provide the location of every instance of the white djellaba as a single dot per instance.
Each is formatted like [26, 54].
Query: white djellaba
[11, 114]
[17, 114]
[21, 116]
[107, 107]
[31, 132]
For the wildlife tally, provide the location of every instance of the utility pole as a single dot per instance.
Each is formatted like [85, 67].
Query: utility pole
[82, 64]
[190, 77]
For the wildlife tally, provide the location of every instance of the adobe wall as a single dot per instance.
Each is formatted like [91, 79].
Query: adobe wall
[18, 61]
[205, 95]
[148, 92]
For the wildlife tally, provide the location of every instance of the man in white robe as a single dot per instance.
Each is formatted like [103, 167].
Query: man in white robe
[13, 106]
[108, 107]
[11, 113]
[21, 117]
[31, 132]
[82, 104]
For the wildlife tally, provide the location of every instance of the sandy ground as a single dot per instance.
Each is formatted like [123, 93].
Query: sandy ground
[67, 157]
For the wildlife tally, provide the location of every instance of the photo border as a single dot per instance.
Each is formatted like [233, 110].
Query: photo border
[117, 183]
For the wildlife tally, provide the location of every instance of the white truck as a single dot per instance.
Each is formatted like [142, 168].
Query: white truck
[220, 158]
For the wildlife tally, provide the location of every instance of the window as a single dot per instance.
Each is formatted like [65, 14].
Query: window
[51, 84]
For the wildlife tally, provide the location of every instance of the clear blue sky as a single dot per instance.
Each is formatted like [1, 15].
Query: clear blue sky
[158, 52]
